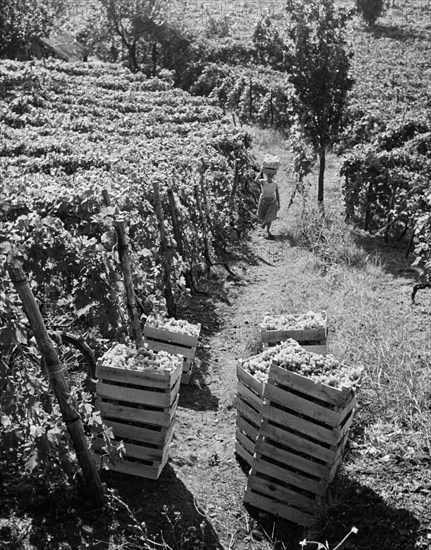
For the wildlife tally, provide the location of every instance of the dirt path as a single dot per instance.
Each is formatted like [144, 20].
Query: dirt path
[199, 496]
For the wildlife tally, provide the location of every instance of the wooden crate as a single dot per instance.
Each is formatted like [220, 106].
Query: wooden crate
[249, 403]
[300, 444]
[313, 339]
[140, 408]
[177, 343]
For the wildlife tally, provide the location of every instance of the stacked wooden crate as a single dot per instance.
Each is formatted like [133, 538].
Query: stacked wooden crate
[176, 337]
[313, 334]
[139, 406]
[300, 433]
[248, 402]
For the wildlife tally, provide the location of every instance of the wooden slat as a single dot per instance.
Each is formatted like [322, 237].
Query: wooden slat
[279, 510]
[169, 336]
[123, 412]
[250, 430]
[301, 405]
[250, 381]
[249, 396]
[321, 349]
[137, 396]
[174, 349]
[283, 495]
[302, 425]
[243, 453]
[294, 441]
[306, 335]
[323, 392]
[245, 442]
[296, 479]
[135, 433]
[140, 470]
[248, 412]
[139, 378]
[289, 458]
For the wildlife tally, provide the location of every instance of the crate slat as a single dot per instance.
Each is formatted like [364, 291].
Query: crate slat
[320, 349]
[323, 392]
[284, 456]
[247, 412]
[242, 451]
[174, 349]
[250, 430]
[245, 394]
[161, 380]
[295, 480]
[293, 441]
[301, 425]
[301, 405]
[137, 433]
[278, 509]
[170, 336]
[161, 417]
[132, 395]
[249, 380]
[282, 494]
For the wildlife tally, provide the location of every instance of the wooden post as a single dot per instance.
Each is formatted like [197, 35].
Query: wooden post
[70, 415]
[251, 100]
[126, 266]
[271, 107]
[235, 182]
[207, 255]
[178, 236]
[391, 206]
[165, 253]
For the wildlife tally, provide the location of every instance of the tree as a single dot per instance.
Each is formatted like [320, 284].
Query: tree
[370, 9]
[319, 71]
[21, 20]
[135, 22]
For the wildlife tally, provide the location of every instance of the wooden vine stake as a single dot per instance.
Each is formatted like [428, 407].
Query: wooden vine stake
[165, 253]
[59, 385]
[207, 254]
[126, 267]
[234, 183]
[175, 215]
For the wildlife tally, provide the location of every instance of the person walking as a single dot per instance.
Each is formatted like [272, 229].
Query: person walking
[269, 200]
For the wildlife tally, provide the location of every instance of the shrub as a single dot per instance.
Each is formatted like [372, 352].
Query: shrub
[370, 9]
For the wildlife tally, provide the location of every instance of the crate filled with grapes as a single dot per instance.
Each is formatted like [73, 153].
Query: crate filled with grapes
[177, 336]
[308, 329]
[137, 394]
[307, 411]
[251, 376]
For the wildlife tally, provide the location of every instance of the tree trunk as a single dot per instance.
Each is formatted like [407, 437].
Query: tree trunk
[70, 415]
[322, 166]
[133, 60]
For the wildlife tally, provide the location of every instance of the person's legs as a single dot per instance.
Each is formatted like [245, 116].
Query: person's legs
[268, 227]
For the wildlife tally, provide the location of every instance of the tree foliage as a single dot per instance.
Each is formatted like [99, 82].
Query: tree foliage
[370, 10]
[319, 71]
[21, 20]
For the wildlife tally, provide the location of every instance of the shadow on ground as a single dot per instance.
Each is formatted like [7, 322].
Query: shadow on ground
[167, 509]
[349, 504]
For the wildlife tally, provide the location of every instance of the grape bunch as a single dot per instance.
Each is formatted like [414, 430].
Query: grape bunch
[291, 356]
[129, 357]
[304, 321]
[174, 325]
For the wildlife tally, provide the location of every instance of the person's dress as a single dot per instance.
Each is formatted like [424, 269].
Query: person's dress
[267, 206]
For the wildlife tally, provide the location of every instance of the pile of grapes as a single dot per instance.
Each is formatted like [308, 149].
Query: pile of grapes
[304, 321]
[129, 357]
[291, 356]
[174, 325]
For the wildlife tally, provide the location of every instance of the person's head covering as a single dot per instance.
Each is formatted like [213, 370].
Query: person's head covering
[271, 162]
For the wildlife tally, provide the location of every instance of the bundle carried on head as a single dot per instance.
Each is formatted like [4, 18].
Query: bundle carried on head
[271, 162]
